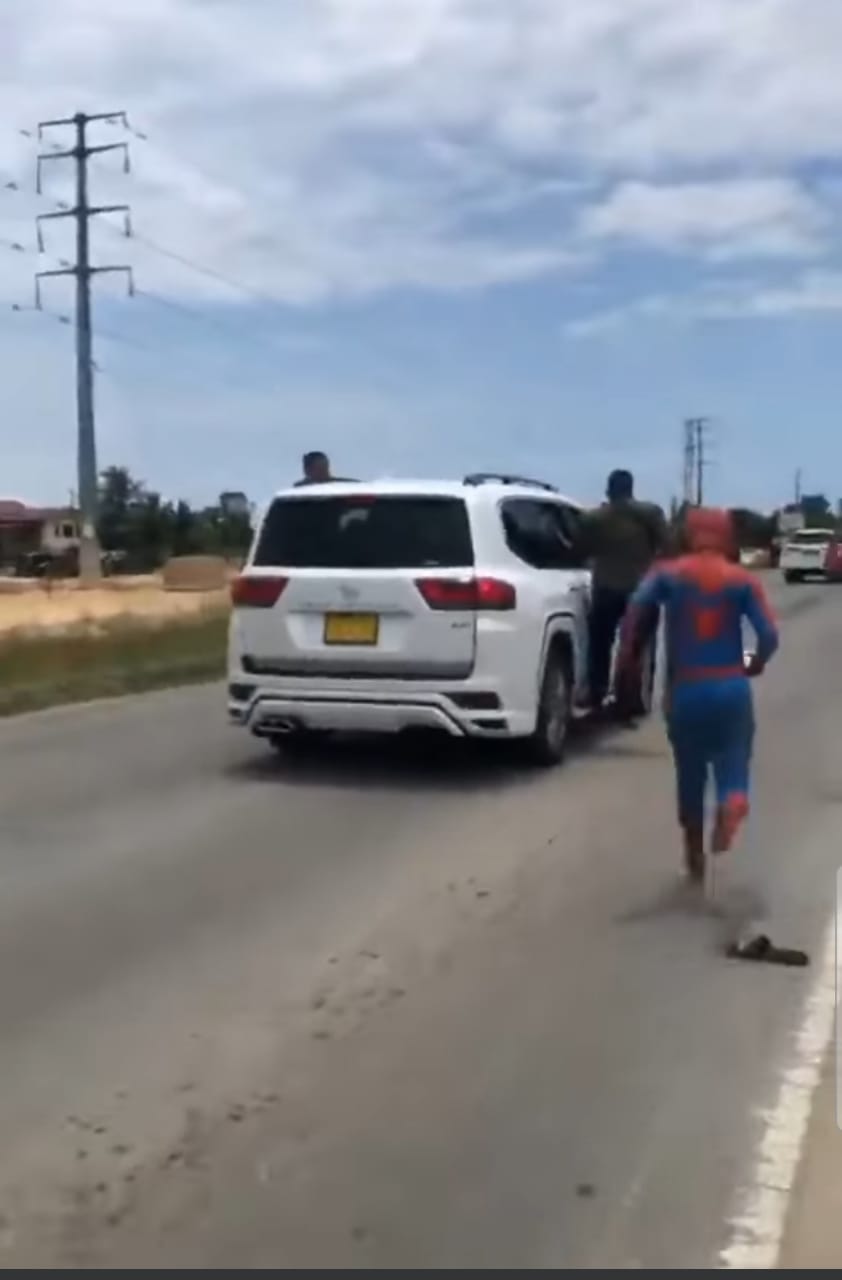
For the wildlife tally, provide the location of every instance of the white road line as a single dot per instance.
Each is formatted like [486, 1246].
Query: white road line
[756, 1226]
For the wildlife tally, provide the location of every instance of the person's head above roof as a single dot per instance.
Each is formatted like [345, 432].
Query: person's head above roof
[620, 487]
[316, 466]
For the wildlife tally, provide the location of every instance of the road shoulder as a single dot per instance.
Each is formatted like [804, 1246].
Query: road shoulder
[813, 1235]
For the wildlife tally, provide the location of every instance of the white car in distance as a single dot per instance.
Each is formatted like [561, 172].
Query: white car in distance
[810, 553]
[459, 606]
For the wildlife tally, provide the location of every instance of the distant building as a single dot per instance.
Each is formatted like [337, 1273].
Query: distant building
[234, 503]
[25, 529]
[790, 520]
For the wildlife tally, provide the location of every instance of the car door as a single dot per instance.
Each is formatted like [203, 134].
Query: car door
[544, 534]
[573, 563]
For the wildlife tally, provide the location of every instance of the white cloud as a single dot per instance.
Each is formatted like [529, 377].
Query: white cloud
[815, 291]
[809, 292]
[613, 319]
[321, 152]
[725, 219]
[330, 148]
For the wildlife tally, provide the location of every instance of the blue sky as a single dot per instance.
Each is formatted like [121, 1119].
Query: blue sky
[449, 235]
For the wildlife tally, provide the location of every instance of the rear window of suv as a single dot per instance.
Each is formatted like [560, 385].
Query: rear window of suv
[366, 532]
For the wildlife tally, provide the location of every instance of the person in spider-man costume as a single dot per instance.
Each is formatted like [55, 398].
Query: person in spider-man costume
[705, 597]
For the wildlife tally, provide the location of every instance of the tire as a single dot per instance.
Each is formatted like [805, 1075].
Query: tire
[792, 575]
[547, 745]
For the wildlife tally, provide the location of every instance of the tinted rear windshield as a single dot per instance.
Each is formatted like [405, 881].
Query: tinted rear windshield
[363, 532]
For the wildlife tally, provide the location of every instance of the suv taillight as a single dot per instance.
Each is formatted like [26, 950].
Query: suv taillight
[249, 592]
[472, 595]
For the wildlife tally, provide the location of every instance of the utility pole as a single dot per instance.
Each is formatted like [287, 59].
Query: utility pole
[701, 461]
[695, 460]
[689, 460]
[89, 553]
[798, 487]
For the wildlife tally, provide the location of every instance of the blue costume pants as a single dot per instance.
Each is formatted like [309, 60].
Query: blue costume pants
[711, 728]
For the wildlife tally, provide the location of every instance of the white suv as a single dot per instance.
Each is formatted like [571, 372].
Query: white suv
[398, 605]
[811, 553]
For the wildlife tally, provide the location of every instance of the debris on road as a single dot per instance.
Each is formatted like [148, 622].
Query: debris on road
[761, 948]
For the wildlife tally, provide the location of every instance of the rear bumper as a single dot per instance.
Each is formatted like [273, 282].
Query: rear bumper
[832, 574]
[267, 712]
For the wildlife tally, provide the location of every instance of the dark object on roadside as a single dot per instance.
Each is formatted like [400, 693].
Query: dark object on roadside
[48, 564]
[114, 562]
[33, 564]
[65, 564]
[761, 948]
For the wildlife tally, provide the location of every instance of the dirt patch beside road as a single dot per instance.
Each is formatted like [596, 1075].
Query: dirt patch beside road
[27, 608]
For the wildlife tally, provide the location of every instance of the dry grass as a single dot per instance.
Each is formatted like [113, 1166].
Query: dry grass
[37, 608]
[119, 656]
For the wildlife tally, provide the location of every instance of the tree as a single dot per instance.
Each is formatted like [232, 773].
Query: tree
[183, 530]
[136, 521]
[753, 529]
[118, 492]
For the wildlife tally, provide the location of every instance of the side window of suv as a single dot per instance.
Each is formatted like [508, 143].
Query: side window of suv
[572, 523]
[542, 534]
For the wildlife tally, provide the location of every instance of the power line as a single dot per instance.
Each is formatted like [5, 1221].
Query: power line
[82, 272]
[127, 230]
[42, 311]
[192, 264]
[112, 335]
[99, 331]
[192, 313]
[221, 325]
[221, 180]
[185, 260]
[201, 269]
[180, 308]
[58, 316]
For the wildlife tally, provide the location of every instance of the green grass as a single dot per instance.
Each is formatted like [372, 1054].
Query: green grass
[117, 658]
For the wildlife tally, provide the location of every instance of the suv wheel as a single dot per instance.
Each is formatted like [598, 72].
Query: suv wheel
[792, 575]
[548, 743]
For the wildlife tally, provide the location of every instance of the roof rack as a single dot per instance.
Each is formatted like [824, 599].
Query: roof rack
[497, 477]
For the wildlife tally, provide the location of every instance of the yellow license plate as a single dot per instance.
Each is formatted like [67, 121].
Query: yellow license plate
[351, 628]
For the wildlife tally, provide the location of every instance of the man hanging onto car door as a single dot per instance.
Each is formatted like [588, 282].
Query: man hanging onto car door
[622, 538]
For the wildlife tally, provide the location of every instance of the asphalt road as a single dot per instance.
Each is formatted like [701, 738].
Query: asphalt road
[377, 1009]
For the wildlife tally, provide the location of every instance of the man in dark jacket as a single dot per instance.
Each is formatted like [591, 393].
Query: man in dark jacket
[622, 537]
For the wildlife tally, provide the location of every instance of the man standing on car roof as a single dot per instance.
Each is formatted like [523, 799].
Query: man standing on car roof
[316, 468]
[622, 539]
[709, 705]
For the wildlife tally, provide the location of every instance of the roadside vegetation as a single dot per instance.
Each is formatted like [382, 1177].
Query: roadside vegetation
[116, 657]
